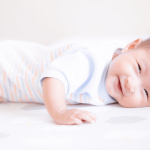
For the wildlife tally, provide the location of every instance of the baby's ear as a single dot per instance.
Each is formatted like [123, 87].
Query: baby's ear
[132, 45]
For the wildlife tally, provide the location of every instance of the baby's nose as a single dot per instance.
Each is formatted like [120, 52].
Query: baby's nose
[129, 84]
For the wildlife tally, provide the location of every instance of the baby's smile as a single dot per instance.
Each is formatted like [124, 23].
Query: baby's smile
[119, 86]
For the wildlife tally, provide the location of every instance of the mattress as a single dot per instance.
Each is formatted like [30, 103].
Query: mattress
[28, 126]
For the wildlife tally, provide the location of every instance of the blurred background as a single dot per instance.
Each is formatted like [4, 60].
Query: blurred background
[46, 21]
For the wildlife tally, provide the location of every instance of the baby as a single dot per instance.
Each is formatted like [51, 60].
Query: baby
[100, 74]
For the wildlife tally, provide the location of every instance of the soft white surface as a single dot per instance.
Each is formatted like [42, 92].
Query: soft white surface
[28, 126]
[52, 141]
[135, 134]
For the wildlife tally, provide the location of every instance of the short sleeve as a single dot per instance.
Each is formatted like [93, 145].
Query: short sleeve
[72, 69]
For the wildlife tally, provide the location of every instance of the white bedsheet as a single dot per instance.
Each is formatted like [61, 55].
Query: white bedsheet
[27, 126]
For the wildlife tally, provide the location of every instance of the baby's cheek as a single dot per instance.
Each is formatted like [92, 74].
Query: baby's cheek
[110, 81]
[132, 101]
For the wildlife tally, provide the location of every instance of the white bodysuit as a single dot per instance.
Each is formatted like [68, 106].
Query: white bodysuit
[81, 67]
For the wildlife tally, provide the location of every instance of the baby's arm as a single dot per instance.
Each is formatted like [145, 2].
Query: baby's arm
[54, 99]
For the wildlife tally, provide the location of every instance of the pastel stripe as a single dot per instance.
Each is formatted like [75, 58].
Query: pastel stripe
[68, 102]
[28, 85]
[51, 56]
[101, 99]
[80, 98]
[12, 96]
[1, 93]
[71, 97]
[59, 52]
[18, 72]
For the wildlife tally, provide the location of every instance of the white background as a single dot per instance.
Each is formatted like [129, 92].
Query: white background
[45, 21]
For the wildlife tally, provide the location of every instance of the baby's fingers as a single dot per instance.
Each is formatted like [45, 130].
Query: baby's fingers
[85, 117]
[75, 121]
[92, 116]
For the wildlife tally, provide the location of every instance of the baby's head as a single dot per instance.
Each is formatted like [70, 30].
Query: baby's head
[128, 78]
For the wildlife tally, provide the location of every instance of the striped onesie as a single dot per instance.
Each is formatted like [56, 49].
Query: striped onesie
[81, 67]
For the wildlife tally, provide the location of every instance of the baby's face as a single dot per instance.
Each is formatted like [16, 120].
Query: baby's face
[128, 79]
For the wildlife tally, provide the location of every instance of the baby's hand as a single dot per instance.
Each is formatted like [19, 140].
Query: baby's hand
[74, 116]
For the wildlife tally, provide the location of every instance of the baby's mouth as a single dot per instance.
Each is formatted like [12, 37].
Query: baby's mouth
[120, 85]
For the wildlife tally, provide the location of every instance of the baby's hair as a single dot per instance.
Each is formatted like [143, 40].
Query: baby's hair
[144, 44]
